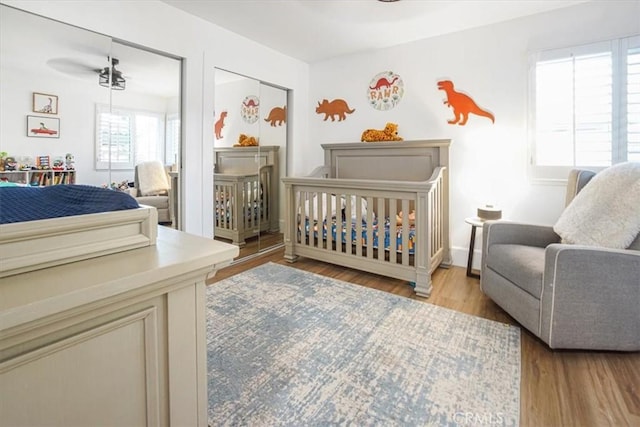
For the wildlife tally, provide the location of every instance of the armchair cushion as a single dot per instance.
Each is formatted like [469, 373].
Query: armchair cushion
[605, 212]
[520, 264]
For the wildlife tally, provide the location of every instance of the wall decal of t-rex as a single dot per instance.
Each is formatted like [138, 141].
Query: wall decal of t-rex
[217, 127]
[462, 104]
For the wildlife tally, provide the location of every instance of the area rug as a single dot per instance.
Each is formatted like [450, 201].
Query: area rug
[292, 348]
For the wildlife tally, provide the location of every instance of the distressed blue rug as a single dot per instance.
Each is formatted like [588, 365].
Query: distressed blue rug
[292, 348]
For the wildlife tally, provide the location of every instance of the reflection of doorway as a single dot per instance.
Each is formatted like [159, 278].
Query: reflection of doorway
[247, 183]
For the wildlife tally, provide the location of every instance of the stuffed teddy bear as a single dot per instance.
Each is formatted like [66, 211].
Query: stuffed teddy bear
[389, 133]
[246, 141]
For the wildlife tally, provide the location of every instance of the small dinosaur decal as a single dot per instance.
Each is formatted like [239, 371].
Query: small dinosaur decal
[251, 103]
[277, 116]
[219, 125]
[462, 104]
[383, 82]
[337, 107]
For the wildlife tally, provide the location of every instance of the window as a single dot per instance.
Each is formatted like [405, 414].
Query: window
[125, 138]
[585, 107]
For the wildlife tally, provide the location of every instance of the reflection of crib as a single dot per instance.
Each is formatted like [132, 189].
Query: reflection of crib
[245, 192]
[345, 213]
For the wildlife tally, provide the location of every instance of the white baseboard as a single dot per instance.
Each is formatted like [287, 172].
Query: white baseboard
[460, 256]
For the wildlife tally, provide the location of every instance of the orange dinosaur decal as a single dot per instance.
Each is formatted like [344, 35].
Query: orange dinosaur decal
[337, 107]
[462, 104]
[219, 125]
[277, 116]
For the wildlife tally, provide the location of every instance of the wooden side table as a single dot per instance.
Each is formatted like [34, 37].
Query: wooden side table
[475, 222]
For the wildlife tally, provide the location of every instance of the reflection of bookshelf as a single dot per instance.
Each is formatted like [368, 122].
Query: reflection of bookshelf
[40, 177]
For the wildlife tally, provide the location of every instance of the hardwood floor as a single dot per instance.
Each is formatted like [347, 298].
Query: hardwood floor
[254, 244]
[558, 388]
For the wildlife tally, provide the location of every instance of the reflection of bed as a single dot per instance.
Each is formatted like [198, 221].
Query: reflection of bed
[30, 241]
[345, 213]
[245, 192]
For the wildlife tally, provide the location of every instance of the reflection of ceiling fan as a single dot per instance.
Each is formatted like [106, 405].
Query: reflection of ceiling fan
[84, 70]
[117, 80]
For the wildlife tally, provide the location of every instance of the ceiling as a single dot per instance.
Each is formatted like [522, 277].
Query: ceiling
[316, 30]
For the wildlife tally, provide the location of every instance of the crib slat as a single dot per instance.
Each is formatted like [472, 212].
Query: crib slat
[312, 219]
[306, 220]
[406, 225]
[381, 228]
[393, 211]
[320, 217]
[327, 221]
[339, 240]
[357, 203]
[369, 220]
[348, 226]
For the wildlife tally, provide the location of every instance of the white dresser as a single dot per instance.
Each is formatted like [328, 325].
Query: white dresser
[118, 340]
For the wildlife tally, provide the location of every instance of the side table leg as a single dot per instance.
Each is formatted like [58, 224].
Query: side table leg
[472, 244]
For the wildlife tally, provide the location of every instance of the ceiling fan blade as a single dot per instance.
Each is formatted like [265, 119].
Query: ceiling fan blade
[72, 66]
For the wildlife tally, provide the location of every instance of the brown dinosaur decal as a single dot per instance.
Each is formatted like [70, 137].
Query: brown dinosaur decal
[337, 107]
[383, 82]
[277, 116]
[462, 104]
[219, 125]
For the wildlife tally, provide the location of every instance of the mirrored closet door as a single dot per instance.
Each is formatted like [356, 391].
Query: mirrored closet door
[249, 159]
[85, 107]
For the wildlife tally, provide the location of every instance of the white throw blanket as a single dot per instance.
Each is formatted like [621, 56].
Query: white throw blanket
[606, 212]
[152, 178]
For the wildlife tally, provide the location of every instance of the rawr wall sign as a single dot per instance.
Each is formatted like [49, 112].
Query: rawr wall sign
[250, 109]
[385, 90]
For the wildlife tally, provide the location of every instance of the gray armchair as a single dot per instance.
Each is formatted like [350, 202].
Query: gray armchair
[570, 296]
[161, 199]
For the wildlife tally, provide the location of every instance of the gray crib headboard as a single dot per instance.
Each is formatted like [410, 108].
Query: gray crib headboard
[389, 161]
[244, 160]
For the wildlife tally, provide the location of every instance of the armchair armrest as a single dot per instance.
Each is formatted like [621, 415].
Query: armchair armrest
[516, 233]
[594, 290]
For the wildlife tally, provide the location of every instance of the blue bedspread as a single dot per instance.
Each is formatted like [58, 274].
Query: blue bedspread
[19, 204]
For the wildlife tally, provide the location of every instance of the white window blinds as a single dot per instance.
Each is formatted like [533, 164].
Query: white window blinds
[125, 138]
[585, 107]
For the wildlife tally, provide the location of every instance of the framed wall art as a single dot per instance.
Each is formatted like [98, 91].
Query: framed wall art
[44, 103]
[43, 127]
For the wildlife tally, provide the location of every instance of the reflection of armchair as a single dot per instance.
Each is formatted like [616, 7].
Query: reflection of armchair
[152, 188]
[568, 295]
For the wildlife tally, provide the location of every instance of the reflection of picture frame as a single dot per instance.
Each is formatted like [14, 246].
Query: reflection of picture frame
[43, 127]
[44, 103]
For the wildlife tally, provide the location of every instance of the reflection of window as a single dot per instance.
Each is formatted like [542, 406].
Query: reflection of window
[173, 139]
[127, 137]
[585, 107]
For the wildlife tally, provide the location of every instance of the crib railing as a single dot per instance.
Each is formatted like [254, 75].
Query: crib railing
[336, 220]
[243, 204]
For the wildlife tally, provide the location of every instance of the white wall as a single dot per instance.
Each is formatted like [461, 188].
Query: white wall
[156, 25]
[488, 161]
